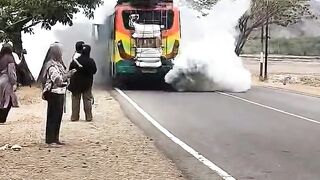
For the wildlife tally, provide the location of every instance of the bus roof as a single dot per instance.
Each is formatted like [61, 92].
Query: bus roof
[144, 3]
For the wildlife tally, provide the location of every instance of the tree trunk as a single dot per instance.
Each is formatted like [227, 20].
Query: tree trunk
[241, 42]
[16, 39]
[242, 39]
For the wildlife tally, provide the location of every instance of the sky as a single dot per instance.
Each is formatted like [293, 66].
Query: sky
[38, 43]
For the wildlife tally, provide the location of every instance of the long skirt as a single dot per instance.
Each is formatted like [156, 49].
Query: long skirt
[4, 113]
[54, 117]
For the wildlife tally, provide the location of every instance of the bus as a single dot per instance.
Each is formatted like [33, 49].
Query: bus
[144, 39]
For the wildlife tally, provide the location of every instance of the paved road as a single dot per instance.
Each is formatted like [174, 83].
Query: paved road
[247, 140]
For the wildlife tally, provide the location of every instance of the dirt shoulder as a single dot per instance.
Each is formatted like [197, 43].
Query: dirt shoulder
[296, 85]
[295, 76]
[110, 147]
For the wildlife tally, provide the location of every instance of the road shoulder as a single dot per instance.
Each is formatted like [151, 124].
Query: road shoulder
[110, 147]
[293, 88]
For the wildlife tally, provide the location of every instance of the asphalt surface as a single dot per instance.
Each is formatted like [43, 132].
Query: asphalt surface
[246, 140]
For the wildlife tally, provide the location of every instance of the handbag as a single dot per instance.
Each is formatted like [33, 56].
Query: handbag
[46, 92]
[47, 87]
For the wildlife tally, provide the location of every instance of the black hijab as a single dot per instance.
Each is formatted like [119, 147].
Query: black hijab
[6, 56]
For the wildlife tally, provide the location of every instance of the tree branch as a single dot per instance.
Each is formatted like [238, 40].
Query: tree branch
[22, 21]
[31, 25]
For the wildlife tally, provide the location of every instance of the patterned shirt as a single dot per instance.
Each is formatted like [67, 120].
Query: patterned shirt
[56, 78]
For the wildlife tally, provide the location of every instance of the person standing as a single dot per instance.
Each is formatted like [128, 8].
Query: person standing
[8, 80]
[24, 76]
[81, 84]
[55, 82]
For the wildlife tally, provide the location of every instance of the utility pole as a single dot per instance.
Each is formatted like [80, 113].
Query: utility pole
[261, 53]
[267, 43]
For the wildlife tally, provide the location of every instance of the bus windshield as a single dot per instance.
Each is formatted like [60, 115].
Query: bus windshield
[159, 17]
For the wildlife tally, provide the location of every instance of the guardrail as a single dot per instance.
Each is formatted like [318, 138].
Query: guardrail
[275, 57]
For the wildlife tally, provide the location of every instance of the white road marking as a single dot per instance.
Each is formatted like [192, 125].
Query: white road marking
[269, 107]
[176, 140]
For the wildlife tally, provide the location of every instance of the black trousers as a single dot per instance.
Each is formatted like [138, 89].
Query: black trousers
[4, 113]
[54, 117]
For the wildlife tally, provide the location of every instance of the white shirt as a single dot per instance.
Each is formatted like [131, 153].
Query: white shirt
[16, 58]
[76, 56]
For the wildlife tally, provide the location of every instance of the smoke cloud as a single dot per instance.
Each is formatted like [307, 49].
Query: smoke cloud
[207, 61]
[38, 43]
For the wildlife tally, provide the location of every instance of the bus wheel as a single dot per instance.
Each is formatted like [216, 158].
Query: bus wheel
[118, 83]
[168, 87]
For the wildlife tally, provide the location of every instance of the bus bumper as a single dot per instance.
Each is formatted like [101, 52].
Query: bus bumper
[129, 68]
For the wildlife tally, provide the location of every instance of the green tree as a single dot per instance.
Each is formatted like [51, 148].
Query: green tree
[17, 16]
[280, 12]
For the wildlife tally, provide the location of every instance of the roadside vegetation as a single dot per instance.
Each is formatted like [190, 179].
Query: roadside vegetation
[300, 46]
[17, 16]
[282, 13]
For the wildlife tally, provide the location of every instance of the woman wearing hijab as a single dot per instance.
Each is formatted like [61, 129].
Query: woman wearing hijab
[8, 80]
[54, 89]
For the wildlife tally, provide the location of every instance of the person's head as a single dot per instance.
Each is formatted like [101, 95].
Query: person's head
[55, 52]
[6, 49]
[86, 50]
[79, 46]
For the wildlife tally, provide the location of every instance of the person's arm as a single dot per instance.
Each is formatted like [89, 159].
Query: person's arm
[55, 76]
[16, 58]
[72, 65]
[93, 66]
[75, 59]
[12, 73]
[76, 56]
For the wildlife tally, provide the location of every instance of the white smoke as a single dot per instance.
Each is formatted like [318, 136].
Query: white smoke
[38, 43]
[207, 61]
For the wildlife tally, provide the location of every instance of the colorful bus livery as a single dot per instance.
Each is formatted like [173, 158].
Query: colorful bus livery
[145, 39]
